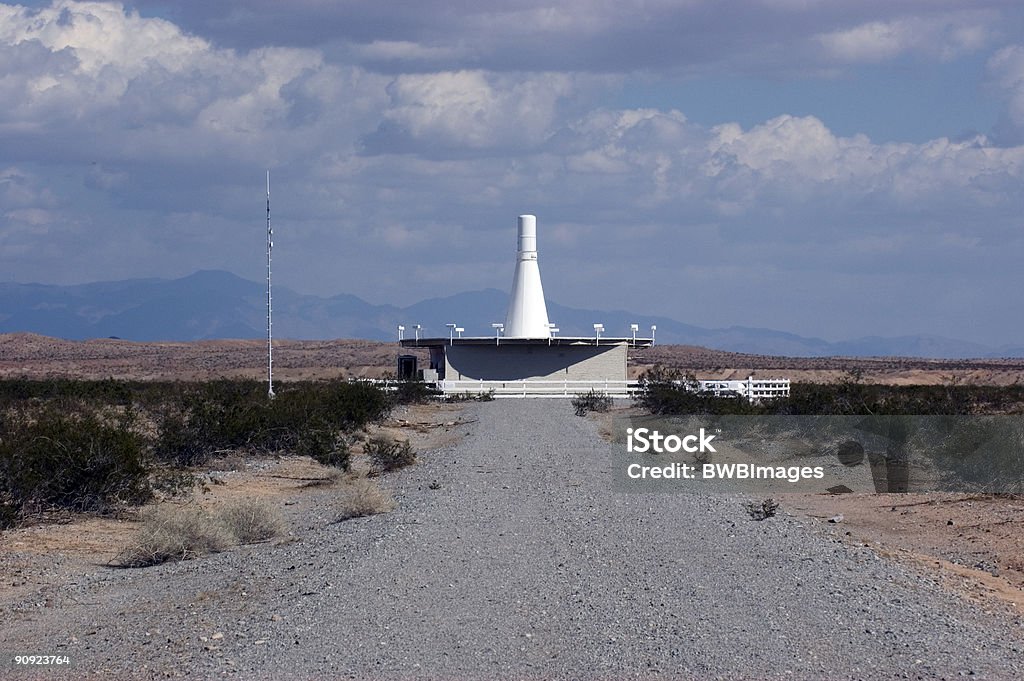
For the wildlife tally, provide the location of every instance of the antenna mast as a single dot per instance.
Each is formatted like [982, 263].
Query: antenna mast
[270, 307]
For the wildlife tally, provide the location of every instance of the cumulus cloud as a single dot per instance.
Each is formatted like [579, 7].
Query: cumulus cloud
[469, 109]
[944, 37]
[599, 36]
[408, 141]
[114, 85]
[100, 34]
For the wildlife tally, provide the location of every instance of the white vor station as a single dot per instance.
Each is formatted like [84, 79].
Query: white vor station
[526, 356]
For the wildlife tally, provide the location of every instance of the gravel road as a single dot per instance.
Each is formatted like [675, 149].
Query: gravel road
[522, 561]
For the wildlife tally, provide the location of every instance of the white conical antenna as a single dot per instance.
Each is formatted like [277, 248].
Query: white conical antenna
[270, 299]
[527, 312]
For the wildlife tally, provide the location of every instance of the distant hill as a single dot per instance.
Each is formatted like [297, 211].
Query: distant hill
[214, 304]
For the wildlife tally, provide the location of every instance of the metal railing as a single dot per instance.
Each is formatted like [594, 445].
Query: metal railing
[761, 388]
[538, 388]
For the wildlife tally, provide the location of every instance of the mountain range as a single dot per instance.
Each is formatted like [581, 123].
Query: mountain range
[216, 304]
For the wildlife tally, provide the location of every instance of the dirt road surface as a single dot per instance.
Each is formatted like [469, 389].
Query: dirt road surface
[511, 555]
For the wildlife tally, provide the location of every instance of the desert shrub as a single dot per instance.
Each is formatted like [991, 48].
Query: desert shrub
[388, 454]
[169, 533]
[672, 391]
[251, 521]
[412, 392]
[80, 461]
[103, 392]
[324, 445]
[89, 445]
[591, 401]
[363, 497]
[9, 516]
[179, 442]
[761, 510]
[306, 417]
[354, 405]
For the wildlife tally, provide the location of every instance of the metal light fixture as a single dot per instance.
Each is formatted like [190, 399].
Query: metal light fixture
[598, 328]
[401, 332]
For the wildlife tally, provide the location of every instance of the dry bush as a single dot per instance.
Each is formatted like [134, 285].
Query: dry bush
[169, 533]
[763, 509]
[388, 454]
[363, 497]
[591, 401]
[251, 521]
[176, 533]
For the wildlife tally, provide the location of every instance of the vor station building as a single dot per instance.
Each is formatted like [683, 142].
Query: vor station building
[526, 356]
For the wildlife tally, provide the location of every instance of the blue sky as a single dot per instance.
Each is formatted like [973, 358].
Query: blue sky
[939, 100]
[835, 169]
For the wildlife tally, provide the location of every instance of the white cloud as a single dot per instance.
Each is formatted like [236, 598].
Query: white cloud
[110, 84]
[407, 50]
[101, 34]
[944, 37]
[797, 156]
[134, 148]
[1007, 70]
[598, 36]
[476, 110]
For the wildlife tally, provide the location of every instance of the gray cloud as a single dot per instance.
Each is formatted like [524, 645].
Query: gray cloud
[405, 139]
[596, 36]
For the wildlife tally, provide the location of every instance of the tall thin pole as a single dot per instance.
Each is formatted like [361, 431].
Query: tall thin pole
[270, 299]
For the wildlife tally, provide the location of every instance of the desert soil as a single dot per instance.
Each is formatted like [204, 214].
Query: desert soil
[974, 543]
[511, 554]
[53, 574]
[717, 364]
[34, 356]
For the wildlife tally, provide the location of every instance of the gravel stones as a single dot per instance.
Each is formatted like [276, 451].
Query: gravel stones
[512, 555]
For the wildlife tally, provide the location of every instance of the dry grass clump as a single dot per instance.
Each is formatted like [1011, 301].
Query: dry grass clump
[170, 533]
[252, 521]
[363, 497]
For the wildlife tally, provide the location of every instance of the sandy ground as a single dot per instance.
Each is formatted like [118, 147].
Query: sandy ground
[974, 543]
[33, 356]
[705, 363]
[25, 355]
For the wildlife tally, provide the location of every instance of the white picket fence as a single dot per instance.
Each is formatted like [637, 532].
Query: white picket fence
[539, 388]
